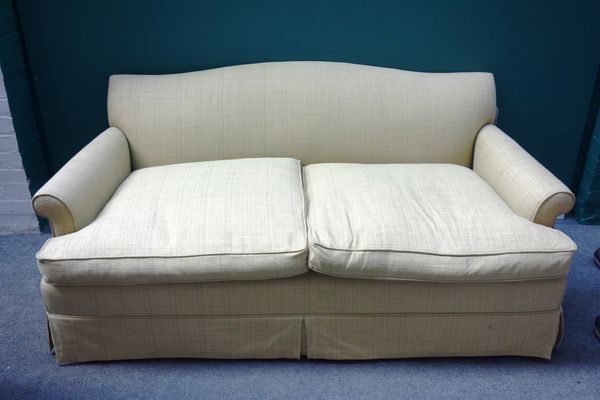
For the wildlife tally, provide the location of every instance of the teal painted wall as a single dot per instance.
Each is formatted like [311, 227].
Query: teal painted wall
[22, 105]
[544, 54]
[587, 207]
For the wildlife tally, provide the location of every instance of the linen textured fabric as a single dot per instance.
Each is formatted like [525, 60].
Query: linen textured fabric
[435, 222]
[194, 222]
[79, 190]
[80, 339]
[311, 111]
[522, 182]
[335, 337]
[308, 294]
[179, 257]
[364, 337]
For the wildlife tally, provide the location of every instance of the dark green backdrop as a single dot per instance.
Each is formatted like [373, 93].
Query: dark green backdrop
[544, 54]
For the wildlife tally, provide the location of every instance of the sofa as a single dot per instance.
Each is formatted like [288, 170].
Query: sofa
[303, 209]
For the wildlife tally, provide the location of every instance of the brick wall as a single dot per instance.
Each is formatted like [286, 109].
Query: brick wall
[16, 214]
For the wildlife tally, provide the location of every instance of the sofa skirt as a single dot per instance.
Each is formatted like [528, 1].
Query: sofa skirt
[312, 315]
[332, 337]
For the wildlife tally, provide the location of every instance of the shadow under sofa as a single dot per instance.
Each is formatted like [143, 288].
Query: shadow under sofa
[281, 210]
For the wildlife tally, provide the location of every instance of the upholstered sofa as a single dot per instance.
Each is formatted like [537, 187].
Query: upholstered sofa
[281, 210]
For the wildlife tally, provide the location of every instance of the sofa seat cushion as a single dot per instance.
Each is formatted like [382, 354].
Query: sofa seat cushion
[194, 222]
[434, 222]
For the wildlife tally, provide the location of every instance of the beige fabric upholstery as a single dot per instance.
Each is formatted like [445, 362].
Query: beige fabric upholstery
[522, 182]
[363, 337]
[178, 258]
[205, 221]
[312, 314]
[312, 111]
[76, 194]
[423, 221]
[310, 293]
[79, 339]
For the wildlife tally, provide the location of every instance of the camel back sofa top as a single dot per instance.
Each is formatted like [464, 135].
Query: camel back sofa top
[316, 112]
[311, 111]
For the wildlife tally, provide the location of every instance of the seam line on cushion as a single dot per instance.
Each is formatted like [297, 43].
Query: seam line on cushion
[109, 283]
[173, 256]
[340, 315]
[310, 269]
[444, 255]
[387, 278]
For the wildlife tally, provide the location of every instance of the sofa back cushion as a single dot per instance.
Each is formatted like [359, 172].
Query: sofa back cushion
[312, 111]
